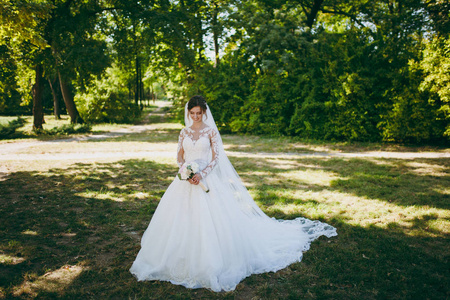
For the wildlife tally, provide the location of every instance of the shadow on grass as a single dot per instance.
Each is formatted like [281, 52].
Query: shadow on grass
[421, 182]
[87, 221]
[76, 215]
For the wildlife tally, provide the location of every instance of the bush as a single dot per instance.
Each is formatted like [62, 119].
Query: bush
[9, 131]
[107, 101]
[108, 107]
[69, 129]
[338, 86]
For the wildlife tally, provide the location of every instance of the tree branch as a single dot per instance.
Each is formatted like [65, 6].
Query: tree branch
[311, 18]
[339, 12]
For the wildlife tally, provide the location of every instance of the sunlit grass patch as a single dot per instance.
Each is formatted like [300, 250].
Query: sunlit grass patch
[310, 177]
[254, 144]
[10, 260]
[428, 169]
[103, 194]
[52, 282]
[30, 232]
[291, 164]
[326, 189]
[4, 120]
[444, 190]
[268, 144]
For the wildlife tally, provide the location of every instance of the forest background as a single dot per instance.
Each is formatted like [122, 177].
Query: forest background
[355, 70]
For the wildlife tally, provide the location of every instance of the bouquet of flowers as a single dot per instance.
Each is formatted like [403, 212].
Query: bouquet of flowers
[188, 170]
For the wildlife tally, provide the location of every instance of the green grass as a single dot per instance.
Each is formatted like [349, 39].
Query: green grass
[71, 228]
[26, 132]
[50, 122]
[252, 143]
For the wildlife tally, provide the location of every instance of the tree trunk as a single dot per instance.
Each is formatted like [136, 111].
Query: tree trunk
[38, 109]
[215, 36]
[56, 107]
[137, 91]
[152, 93]
[199, 38]
[75, 117]
[141, 88]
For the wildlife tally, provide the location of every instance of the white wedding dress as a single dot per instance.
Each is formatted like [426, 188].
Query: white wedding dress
[214, 240]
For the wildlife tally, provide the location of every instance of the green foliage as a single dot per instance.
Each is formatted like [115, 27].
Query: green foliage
[336, 81]
[9, 96]
[9, 130]
[412, 117]
[436, 68]
[107, 100]
[331, 70]
[21, 20]
[226, 87]
[23, 42]
[268, 107]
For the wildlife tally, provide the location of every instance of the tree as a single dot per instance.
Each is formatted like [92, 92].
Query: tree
[21, 25]
[55, 38]
[78, 52]
[436, 68]
[327, 69]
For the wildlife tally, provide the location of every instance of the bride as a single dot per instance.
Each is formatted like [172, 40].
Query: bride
[215, 239]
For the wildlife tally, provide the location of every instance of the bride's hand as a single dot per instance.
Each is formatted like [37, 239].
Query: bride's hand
[195, 179]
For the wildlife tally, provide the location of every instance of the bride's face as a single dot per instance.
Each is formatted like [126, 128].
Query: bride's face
[196, 114]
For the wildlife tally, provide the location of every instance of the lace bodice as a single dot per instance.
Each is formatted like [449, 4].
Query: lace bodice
[201, 145]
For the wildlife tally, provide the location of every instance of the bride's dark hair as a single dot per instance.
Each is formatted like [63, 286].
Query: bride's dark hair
[197, 101]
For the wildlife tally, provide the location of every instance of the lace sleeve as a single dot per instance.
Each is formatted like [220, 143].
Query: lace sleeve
[180, 150]
[214, 138]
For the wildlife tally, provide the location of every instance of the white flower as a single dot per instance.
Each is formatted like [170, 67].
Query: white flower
[193, 166]
[188, 170]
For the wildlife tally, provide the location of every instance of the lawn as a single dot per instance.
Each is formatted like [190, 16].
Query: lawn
[70, 228]
[27, 132]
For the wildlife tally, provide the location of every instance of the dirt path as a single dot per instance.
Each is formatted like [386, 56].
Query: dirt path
[8, 150]
[12, 150]
[168, 153]
[13, 147]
